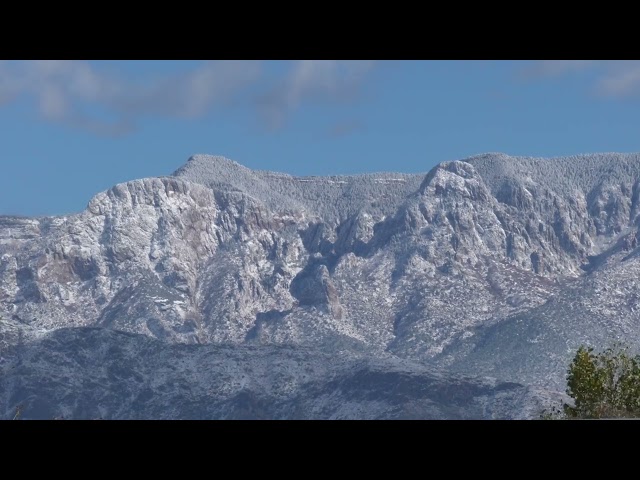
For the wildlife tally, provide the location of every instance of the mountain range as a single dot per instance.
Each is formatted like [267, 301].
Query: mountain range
[225, 292]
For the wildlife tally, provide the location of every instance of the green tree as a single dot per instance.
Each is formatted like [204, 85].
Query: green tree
[603, 385]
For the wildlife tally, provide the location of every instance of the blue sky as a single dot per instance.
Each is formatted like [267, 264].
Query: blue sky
[69, 129]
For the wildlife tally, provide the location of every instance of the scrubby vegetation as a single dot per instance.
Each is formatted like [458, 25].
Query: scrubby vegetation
[601, 385]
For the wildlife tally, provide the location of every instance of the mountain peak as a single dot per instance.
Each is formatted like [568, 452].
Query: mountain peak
[209, 163]
[456, 177]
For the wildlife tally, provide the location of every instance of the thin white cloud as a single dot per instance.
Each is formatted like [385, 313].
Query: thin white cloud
[611, 78]
[65, 91]
[8, 85]
[313, 80]
[82, 94]
[85, 95]
[190, 94]
[621, 79]
[556, 68]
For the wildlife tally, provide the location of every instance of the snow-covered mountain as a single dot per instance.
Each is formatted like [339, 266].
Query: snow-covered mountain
[493, 266]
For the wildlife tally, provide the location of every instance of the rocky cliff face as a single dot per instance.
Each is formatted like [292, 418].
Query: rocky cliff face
[493, 265]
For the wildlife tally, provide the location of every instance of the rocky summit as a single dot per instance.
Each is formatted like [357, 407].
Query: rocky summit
[223, 292]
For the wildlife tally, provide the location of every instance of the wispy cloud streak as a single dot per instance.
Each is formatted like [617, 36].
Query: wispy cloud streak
[66, 92]
[611, 78]
[312, 81]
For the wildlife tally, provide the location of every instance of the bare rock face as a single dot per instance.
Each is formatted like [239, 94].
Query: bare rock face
[8, 280]
[453, 268]
[313, 286]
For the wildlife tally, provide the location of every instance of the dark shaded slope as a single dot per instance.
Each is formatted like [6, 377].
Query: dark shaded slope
[98, 373]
